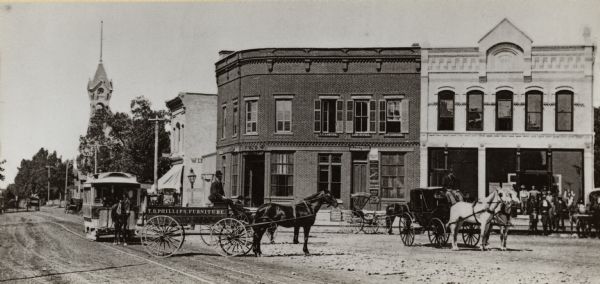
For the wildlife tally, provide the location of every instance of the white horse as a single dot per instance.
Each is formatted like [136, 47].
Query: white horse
[481, 213]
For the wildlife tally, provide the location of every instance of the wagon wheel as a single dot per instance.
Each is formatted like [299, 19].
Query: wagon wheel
[162, 236]
[233, 236]
[370, 223]
[407, 232]
[437, 232]
[206, 235]
[470, 234]
[351, 223]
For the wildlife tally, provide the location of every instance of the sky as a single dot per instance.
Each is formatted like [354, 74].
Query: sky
[48, 52]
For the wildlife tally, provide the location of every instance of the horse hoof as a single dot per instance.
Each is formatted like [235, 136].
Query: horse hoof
[454, 248]
[503, 249]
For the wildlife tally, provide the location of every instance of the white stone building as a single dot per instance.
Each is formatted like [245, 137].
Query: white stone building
[507, 111]
[193, 146]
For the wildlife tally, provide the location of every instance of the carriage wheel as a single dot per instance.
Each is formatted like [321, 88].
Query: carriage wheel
[353, 223]
[370, 224]
[234, 237]
[437, 232]
[407, 233]
[470, 234]
[162, 236]
[206, 235]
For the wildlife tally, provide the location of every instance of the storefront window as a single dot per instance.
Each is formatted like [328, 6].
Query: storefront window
[282, 174]
[330, 173]
[567, 168]
[392, 175]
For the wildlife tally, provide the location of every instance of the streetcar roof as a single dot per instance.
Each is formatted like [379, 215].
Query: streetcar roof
[114, 177]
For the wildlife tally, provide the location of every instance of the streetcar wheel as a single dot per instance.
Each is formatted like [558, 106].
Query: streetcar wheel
[162, 236]
[233, 236]
[437, 232]
[407, 233]
[370, 224]
[470, 234]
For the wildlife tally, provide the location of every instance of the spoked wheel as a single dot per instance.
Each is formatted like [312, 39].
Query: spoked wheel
[162, 236]
[352, 222]
[470, 234]
[206, 235]
[370, 224]
[233, 237]
[407, 232]
[437, 232]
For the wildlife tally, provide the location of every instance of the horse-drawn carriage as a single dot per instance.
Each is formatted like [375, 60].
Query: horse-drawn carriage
[429, 211]
[586, 219]
[100, 193]
[358, 219]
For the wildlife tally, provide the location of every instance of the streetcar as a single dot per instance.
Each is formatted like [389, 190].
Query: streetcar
[100, 193]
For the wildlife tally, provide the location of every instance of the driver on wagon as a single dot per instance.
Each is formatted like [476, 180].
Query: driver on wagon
[450, 183]
[217, 194]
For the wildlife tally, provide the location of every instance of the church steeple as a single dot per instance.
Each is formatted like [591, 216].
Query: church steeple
[100, 87]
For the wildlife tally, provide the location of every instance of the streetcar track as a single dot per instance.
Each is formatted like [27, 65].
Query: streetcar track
[219, 267]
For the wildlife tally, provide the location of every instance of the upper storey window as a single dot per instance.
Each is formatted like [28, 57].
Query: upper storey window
[224, 124]
[283, 113]
[504, 111]
[533, 111]
[235, 118]
[564, 111]
[251, 116]
[361, 116]
[329, 115]
[446, 111]
[475, 111]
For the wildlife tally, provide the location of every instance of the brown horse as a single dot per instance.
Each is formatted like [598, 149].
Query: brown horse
[301, 214]
[478, 213]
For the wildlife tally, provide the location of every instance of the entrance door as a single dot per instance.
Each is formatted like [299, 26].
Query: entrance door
[254, 180]
[359, 178]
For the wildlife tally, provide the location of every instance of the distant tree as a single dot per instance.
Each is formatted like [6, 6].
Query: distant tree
[2, 169]
[33, 176]
[596, 147]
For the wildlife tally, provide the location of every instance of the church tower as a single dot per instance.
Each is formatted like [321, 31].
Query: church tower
[99, 88]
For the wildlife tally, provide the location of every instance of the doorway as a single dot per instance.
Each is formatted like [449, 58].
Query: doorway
[359, 173]
[254, 180]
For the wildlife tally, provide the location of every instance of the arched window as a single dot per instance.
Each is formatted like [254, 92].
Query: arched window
[564, 111]
[504, 111]
[534, 109]
[475, 110]
[446, 111]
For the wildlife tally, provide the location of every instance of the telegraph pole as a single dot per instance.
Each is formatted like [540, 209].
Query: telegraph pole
[66, 180]
[156, 120]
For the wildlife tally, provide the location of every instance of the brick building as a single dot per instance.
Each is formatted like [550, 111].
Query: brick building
[193, 123]
[507, 111]
[295, 120]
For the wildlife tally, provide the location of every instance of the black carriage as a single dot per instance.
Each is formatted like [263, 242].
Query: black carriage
[587, 219]
[429, 211]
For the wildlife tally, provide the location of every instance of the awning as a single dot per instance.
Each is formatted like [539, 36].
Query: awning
[172, 179]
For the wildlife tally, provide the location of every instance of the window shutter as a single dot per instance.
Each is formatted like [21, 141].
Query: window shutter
[339, 117]
[317, 118]
[349, 116]
[404, 124]
[382, 118]
[372, 116]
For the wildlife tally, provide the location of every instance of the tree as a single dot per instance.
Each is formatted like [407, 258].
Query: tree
[2, 169]
[33, 176]
[128, 141]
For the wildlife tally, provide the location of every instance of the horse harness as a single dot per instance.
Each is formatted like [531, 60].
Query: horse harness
[308, 208]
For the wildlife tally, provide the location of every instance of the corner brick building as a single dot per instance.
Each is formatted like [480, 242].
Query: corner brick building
[295, 120]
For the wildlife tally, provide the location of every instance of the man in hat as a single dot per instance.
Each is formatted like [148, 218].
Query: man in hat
[217, 194]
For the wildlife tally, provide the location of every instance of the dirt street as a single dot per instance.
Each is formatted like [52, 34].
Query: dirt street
[47, 247]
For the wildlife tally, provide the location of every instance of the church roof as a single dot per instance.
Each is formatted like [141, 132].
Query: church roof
[99, 78]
